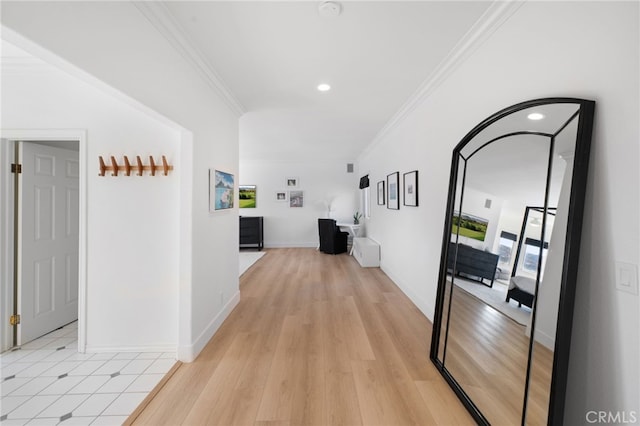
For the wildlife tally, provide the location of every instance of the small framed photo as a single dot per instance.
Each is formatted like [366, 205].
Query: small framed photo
[296, 199]
[292, 182]
[410, 188]
[221, 194]
[381, 200]
[281, 196]
[393, 197]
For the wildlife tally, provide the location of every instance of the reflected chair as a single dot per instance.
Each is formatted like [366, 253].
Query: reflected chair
[332, 240]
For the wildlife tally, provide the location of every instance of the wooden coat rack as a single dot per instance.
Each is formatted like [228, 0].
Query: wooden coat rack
[152, 167]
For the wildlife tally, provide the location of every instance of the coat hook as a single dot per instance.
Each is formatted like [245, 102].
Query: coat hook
[127, 166]
[140, 167]
[114, 164]
[165, 166]
[103, 167]
[153, 165]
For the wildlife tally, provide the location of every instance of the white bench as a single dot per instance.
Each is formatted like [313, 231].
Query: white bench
[367, 252]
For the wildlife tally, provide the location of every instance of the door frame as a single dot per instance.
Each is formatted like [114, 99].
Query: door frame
[7, 153]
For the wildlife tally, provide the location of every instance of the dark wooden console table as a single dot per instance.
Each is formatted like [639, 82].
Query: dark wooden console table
[251, 232]
[474, 263]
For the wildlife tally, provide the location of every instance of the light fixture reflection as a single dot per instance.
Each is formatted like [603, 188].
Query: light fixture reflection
[324, 87]
[535, 116]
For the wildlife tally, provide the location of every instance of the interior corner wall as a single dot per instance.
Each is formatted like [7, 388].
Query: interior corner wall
[132, 273]
[545, 49]
[115, 43]
[324, 184]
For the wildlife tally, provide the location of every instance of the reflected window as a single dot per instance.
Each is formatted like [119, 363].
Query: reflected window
[532, 255]
[507, 242]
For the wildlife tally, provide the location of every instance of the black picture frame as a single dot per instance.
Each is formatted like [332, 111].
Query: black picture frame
[410, 189]
[393, 191]
[381, 198]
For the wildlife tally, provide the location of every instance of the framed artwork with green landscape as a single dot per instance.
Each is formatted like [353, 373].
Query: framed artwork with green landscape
[470, 226]
[247, 196]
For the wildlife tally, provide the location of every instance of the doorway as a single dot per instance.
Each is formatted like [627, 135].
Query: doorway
[44, 226]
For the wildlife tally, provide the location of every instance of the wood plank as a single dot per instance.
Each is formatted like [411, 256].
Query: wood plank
[315, 340]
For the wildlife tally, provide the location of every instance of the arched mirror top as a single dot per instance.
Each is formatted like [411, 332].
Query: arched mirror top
[541, 117]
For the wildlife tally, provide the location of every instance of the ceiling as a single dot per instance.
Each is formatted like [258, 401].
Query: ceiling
[272, 55]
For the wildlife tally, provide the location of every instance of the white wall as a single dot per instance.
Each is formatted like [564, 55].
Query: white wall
[133, 225]
[581, 49]
[116, 43]
[323, 183]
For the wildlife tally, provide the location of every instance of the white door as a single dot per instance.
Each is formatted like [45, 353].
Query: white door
[48, 235]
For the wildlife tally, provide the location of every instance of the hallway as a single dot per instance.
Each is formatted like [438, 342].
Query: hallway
[315, 339]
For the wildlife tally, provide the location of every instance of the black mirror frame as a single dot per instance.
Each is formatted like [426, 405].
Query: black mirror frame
[570, 265]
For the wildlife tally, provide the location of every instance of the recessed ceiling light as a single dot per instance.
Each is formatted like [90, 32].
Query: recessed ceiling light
[535, 116]
[324, 87]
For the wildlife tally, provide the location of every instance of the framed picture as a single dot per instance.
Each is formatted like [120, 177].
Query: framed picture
[296, 199]
[220, 190]
[410, 188]
[247, 196]
[381, 193]
[470, 226]
[281, 196]
[393, 197]
[292, 182]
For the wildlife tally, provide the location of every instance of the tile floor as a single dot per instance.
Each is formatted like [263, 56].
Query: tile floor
[47, 382]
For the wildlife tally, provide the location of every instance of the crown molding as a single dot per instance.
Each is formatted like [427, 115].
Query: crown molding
[495, 15]
[162, 19]
[20, 64]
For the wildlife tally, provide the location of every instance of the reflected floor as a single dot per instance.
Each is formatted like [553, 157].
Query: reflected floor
[487, 354]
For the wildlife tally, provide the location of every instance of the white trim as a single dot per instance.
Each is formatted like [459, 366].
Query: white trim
[80, 135]
[129, 349]
[425, 307]
[497, 14]
[163, 20]
[188, 353]
[6, 243]
[185, 278]
[544, 339]
[292, 245]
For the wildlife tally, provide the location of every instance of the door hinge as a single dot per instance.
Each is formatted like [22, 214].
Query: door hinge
[16, 168]
[14, 320]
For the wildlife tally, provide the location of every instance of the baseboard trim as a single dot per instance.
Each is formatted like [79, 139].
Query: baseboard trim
[292, 245]
[113, 349]
[188, 353]
[426, 308]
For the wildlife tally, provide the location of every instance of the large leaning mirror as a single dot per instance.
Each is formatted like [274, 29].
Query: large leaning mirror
[504, 309]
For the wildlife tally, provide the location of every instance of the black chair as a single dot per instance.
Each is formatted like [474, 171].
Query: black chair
[332, 240]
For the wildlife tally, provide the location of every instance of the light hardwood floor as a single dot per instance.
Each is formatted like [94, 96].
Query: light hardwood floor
[315, 340]
[487, 353]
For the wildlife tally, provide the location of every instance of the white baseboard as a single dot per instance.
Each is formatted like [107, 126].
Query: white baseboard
[112, 349]
[188, 353]
[546, 340]
[292, 245]
[426, 308]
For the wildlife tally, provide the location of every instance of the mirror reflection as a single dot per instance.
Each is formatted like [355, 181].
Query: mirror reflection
[500, 295]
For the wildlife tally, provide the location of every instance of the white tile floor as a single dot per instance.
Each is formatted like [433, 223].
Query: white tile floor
[47, 382]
